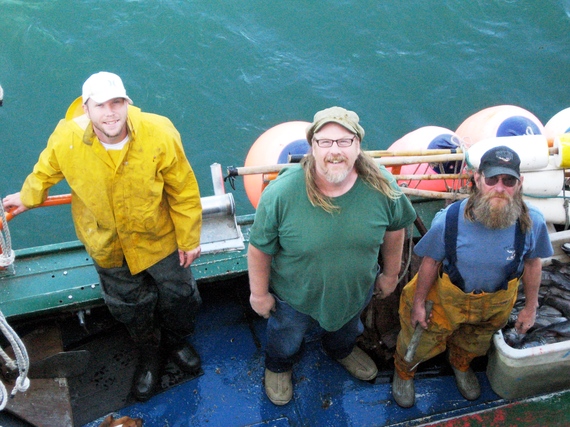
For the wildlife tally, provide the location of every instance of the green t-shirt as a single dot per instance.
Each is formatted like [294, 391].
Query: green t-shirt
[324, 264]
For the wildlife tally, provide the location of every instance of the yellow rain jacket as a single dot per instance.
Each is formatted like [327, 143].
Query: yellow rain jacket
[142, 209]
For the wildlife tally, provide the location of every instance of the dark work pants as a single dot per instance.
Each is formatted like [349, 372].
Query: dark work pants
[164, 297]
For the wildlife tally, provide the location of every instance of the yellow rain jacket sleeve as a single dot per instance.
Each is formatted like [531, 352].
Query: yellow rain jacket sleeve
[141, 209]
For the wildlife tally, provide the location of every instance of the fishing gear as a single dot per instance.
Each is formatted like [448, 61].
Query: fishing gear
[22, 362]
[7, 255]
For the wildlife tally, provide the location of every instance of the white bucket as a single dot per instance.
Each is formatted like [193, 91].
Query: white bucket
[515, 373]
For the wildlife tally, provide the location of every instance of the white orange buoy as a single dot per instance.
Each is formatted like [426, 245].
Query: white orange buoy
[422, 139]
[498, 121]
[273, 147]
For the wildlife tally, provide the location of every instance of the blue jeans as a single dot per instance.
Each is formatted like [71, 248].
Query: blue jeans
[286, 330]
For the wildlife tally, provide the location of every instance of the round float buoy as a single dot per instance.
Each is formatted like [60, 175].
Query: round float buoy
[273, 147]
[562, 144]
[500, 120]
[554, 209]
[422, 139]
[546, 182]
[542, 177]
[559, 124]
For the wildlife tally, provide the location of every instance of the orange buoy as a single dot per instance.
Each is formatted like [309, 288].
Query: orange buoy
[273, 147]
[422, 139]
[500, 120]
[558, 125]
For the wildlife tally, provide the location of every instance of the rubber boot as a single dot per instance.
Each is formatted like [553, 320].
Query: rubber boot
[147, 372]
[182, 352]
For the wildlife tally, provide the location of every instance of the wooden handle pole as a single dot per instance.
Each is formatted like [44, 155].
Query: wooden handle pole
[389, 161]
[413, 346]
[426, 152]
[432, 194]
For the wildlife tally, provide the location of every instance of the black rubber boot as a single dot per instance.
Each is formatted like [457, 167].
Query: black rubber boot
[148, 369]
[186, 358]
[182, 352]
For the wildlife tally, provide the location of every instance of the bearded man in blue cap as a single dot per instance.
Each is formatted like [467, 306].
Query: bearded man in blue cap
[474, 257]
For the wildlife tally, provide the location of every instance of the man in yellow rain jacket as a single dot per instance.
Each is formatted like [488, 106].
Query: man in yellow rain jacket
[136, 207]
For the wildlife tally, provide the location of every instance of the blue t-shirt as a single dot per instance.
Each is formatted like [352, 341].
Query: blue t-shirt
[483, 253]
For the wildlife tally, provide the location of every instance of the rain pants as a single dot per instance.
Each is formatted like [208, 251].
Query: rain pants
[462, 322]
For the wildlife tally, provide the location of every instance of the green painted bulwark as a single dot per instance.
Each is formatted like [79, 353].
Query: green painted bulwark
[61, 277]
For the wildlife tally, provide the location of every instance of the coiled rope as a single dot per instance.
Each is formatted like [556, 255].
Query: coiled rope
[6, 253]
[22, 361]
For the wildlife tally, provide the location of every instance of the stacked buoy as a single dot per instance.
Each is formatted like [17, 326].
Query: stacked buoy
[522, 131]
[427, 137]
[498, 121]
[544, 151]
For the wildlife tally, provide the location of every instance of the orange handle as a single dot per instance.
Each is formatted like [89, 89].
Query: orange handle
[61, 199]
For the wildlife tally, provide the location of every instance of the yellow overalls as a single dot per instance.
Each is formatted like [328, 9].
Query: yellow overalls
[463, 322]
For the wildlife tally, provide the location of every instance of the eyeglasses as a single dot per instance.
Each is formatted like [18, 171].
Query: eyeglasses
[509, 181]
[343, 142]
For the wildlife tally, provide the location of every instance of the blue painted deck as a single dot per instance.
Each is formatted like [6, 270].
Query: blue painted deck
[230, 339]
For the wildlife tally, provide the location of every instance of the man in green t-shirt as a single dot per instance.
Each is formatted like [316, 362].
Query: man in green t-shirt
[314, 246]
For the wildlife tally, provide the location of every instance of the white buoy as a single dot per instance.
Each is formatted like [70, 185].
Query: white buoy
[554, 209]
[546, 182]
[532, 150]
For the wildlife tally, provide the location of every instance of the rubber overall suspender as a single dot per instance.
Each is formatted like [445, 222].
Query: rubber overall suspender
[451, 223]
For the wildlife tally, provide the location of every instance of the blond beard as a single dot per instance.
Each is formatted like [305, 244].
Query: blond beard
[497, 217]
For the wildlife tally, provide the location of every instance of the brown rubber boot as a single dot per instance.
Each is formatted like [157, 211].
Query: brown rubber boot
[403, 391]
[467, 383]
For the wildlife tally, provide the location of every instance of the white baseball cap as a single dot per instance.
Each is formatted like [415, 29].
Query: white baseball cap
[102, 86]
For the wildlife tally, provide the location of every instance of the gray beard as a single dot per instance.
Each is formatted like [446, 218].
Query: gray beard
[336, 178]
[497, 217]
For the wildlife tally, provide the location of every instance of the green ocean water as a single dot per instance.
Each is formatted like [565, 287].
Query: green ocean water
[226, 71]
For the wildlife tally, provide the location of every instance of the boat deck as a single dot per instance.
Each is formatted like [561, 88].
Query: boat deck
[229, 392]
[230, 339]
